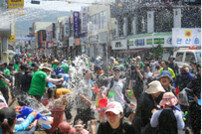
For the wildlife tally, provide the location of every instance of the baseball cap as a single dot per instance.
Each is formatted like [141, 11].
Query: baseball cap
[64, 127]
[114, 107]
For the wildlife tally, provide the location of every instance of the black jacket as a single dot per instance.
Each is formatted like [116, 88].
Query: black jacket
[124, 128]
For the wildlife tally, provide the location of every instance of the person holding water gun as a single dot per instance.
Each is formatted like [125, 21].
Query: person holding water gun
[169, 120]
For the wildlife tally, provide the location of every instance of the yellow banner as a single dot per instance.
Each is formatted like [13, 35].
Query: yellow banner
[187, 33]
[12, 38]
[15, 4]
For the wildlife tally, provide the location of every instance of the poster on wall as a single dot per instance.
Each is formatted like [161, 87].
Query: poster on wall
[186, 37]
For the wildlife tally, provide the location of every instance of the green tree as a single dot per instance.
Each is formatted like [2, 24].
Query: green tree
[157, 51]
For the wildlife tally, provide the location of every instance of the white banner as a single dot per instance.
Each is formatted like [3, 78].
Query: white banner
[186, 37]
[119, 45]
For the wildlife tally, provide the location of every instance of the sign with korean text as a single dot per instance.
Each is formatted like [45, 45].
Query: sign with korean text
[12, 38]
[183, 37]
[76, 24]
[15, 3]
[66, 27]
[84, 19]
[119, 45]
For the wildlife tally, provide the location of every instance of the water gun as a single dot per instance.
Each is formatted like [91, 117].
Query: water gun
[131, 95]
[44, 121]
[183, 114]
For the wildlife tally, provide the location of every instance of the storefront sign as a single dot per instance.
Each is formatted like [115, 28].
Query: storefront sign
[15, 3]
[77, 42]
[84, 19]
[150, 40]
[76, 24]
[71, 41]
[119, 45]
[182, 37]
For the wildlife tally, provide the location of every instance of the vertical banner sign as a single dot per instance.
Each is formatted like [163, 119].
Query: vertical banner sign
[186, 37]
[76, 24]
[66, 27]
[84, 19]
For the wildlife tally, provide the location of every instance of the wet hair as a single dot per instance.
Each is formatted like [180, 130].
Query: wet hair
[158, 67]
[7, 119]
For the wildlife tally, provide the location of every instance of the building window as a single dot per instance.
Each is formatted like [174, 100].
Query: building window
[163, 20]
[142, 23]
[191, 17]
[130, 25]
[120, 24]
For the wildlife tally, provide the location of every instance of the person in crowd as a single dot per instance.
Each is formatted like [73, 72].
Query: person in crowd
[147, 105]
[193, 67]
[4, 86]
[115, 123]
[168, 120]
[35, 68]
[136, 81]
[157, 70]
[16, 65]
[148, 75]
[79, 127]
[159, 61]
[165, 67]
[116, 87]
[59, 70]
[18, 79]
[8, 122]
[55, 64]
[38, 83]
[26, 79]
[65, 128]
[195, 107]
[4, 69]
[173, 65]
[183, 78]
[165, 79]
[84, 106]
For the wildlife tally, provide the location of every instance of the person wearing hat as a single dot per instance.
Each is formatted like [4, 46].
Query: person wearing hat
[146, 106]
[38, 83]
[165, 79]
[55, 64]
[115, 123]
[168, 120]
[173, 65]
[116, 87]
[65, 128]
[165, 67]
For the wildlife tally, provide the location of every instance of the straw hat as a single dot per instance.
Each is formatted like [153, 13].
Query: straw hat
[154, 87]
[55, 61]
[45, 66]
[168, 99]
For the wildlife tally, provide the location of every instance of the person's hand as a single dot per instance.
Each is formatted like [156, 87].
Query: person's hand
[34, 113]
[196, 99]
[153, 111]
[132, 105]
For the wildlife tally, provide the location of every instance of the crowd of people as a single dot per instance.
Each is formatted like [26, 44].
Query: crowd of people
[130, 96]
